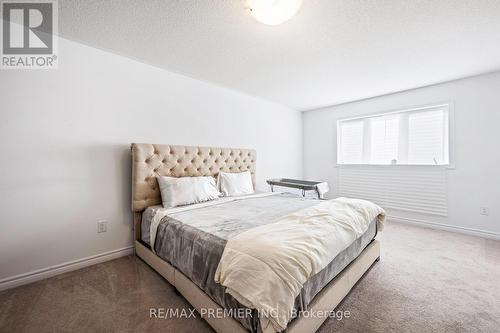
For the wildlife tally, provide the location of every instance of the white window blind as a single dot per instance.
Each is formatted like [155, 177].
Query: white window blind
[384, 140]
[407, 188]
[352, 137]
[410, 137]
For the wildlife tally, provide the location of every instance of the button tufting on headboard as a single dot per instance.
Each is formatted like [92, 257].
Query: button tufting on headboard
[150, 160]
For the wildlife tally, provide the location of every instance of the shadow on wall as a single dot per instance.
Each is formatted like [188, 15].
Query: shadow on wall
[110, 169]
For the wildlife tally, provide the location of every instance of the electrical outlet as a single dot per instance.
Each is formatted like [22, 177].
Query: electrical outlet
[102, 226]
[484, 210]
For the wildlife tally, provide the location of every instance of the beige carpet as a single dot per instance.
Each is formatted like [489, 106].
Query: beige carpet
[426, 281]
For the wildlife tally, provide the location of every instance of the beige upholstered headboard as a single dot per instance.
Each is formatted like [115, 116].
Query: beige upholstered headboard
[151, 160]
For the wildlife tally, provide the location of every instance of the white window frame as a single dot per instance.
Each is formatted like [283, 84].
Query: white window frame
[451, 135]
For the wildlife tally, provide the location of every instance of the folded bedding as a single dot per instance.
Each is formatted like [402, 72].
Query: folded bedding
[265, 267]
[200, 241]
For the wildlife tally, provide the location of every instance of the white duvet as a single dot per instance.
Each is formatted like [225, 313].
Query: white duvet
[265, 268]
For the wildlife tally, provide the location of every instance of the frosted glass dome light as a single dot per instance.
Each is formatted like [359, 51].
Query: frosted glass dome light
[274, 12]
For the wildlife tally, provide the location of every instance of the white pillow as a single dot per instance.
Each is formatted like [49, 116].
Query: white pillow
[232, 184]
[186, 190]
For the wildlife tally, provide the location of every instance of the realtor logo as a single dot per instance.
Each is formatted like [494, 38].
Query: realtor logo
[29, 34]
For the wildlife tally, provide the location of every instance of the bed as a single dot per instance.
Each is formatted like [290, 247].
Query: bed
[189, 243]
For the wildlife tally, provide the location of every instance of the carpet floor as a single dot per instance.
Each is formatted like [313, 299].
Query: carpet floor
[426, 281]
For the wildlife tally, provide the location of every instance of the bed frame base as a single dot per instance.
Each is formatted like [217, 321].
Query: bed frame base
[328, 299]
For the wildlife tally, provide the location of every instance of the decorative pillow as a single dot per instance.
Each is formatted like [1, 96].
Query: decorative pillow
[186, 190]
[232, 184]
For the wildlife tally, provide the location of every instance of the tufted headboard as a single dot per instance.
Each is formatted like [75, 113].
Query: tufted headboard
[151, 160]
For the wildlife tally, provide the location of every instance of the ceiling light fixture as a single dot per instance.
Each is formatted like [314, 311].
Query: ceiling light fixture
[274, 12]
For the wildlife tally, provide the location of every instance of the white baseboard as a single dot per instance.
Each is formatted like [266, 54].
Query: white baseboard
[447, 227]
[44, 273]
[40, 274]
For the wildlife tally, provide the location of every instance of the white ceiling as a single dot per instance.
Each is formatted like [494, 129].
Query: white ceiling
[333, 51]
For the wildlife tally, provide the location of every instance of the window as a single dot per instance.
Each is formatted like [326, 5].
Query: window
[410, 137]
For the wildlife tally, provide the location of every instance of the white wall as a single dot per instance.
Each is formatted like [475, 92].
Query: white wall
[65, 147]
[475, 180]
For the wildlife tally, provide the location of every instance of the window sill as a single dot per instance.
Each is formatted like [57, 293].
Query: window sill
[447, 167]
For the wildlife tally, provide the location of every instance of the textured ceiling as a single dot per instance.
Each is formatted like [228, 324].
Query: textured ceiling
[332, 52]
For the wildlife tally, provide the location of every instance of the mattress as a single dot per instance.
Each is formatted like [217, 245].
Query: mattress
[193, 241]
